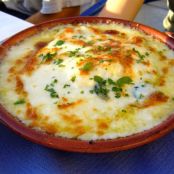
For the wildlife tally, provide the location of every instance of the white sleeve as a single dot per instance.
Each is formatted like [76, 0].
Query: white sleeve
[51, 6]
[55, 6]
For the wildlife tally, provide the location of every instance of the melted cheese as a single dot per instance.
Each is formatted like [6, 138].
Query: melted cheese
[48, 81]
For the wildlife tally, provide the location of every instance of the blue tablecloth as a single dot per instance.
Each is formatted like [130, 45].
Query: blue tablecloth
[19, 156]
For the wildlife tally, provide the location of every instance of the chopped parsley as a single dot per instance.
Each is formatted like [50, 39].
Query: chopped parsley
[123, 110]
[116, 89]
[119, 84]
[61, 65]
[141, 96]
[47, 56]
[59, 43]
[107, 60]
[141, 56]
[74, 53]
[78, 37]
[58, 61]
[102, 86]
[73, 78]
[100, 48]
[87, 67]
[123, 81]
[111, 82]
[147, 54]
[81, 92]
[57, 30]
[104, 48]
[91, 91]
[90, 42]
[50, 88]
[118, 95]
[99, 79]
[66, 85]
[101, 91]
[20, 101]
[126, 95]
[53, 82]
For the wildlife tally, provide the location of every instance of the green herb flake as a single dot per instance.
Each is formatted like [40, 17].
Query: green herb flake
[111, 82]
[123, 81]
[20, 101]
[90, 42]
[100, 88]
[103, 87]
[73, 78]
[50, 88]
[61, 65]
[47, 56]
[59, 43]
[81, 92]
[53, 93]
[147, 54]
[116, 89]
[78, 37]
[53, 82]
[117, 95]
[104, 48]
[101, 61]
[74, 53]
[123, 110]
[57, 30]
[58, 61]
[91, 91]
[141, 96]
[100, 48]
[105, 60]
[66, 85]
[98, 79]
[141, 56]
[126, 95]
[160, 52]
[87, 67]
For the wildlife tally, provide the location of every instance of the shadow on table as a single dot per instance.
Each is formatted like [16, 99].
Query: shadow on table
[19, 156]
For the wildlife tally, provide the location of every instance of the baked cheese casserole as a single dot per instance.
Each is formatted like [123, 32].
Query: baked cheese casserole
[88, 81]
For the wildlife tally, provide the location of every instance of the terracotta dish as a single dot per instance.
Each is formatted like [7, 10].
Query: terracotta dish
[85, 144]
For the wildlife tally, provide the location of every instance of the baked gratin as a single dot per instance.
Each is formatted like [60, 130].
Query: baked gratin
[88, 81]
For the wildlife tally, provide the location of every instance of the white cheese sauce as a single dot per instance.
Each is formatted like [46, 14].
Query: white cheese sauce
[61, 91]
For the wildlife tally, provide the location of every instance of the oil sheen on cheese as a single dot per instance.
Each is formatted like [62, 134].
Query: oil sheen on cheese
[89, 81]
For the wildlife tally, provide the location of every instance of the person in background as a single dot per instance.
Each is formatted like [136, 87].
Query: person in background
[128, 9]
[44, 10]
[168, 22]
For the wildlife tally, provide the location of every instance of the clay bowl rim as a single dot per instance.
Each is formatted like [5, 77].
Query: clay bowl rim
[74, 145]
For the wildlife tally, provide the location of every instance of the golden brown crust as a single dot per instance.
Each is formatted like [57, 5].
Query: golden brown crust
[154, 99]
[69, 105]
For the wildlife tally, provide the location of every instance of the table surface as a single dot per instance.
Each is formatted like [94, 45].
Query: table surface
[19, 156]
[9, 25]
